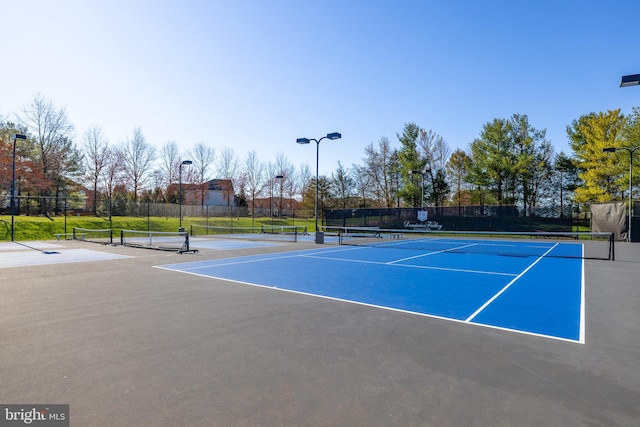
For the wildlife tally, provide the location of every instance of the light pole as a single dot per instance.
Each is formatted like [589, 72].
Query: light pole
[631, 151]
[332, 136]
[626, 81]
[278, 177]
[184, 162]
[13, 179]
[422, 173]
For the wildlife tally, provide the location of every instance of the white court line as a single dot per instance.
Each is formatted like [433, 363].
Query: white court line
[432, 253]
[214, 263]
[470, 318]
[319, 255]
[424, 267]
[248, 261]
[398, 310]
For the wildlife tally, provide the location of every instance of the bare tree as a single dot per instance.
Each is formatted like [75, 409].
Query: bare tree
[228, 167]
[203, 158]
[435, 154]
[285, 184]
[57, 158]
[304, 177]
[169, 165]
[433, 149]
[227, 164]
[380, 166]
[96, 155]
[362, 183]
[342, 184]
[112, 174]
[457, 171]
[253, 171]
[138, 161]
[270, 182]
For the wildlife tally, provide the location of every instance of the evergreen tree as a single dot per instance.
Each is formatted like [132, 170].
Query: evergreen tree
[409, 163]
[600, 172]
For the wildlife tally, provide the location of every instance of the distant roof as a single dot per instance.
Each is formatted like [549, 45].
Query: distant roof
[221, 185]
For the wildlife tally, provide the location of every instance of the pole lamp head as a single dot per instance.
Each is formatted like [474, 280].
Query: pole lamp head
[334, 135]
[303, 140]
[609, 150]
[187, 162]
[632, 80]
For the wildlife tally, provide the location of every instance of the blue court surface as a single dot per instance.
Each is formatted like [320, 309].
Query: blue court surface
[532, 294]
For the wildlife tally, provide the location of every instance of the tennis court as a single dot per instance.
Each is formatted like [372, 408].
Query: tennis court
[361, 335]
[535, 294]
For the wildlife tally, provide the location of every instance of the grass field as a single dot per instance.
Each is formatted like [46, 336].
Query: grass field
[42, 228]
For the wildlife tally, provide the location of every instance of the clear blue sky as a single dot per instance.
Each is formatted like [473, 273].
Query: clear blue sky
[256, 75]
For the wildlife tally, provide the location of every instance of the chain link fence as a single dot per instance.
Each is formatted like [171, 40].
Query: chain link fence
[121, 206]
[462, 218]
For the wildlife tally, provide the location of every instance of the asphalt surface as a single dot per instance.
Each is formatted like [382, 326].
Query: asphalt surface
[126, 344]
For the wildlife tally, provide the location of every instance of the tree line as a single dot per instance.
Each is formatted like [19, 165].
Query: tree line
[509, 163]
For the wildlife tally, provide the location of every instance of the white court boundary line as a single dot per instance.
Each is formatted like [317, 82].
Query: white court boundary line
[397, 310]
[316, 254]
[424, 267]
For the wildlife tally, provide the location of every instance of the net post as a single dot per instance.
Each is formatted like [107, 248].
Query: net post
[122, 237]
[73, 231]
[185, 245]
[612, 247]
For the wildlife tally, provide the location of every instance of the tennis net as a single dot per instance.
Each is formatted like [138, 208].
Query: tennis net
[104, 236]
[161, 240]
[588, 245]
[264, 232]
[284, 229]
